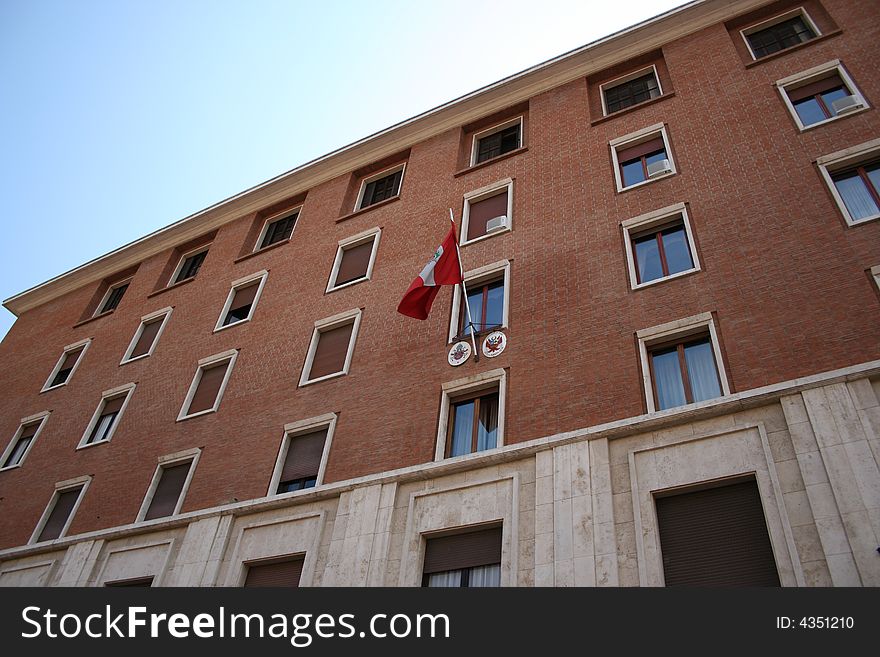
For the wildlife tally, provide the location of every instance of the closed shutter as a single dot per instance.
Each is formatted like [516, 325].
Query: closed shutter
[59, 515]
[70, 359]
[480, 212]
[477, 548]
[355, 261]
[29, 431]
[208, 387]
[168, 491]
[113, 405]
[244, 297]
[147, 337]
[640, 150]
[331, 351]
[716, 537]
[818, 87]
[304, 456]
[284, 573]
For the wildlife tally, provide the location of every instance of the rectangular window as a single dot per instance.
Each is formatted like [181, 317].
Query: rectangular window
[147, 335]
[821, 94]
[61, 509]
[780, 33]
[354, 261]
[282, 572]
[208, 385]
[242, 300]
[189, 266]
[380, 187]
[26, 435]
[107, 416]
[303, 454]
[641, 157]
[853, 177]
[113, 297]
[497, 140]
[278, 230]
[67, 364]
[471, 559]
[488, 296]
[136, 582]
[168, 488]
[487, 211]
[472, 414]
[331, 348]
[660, 245]
[630, 90]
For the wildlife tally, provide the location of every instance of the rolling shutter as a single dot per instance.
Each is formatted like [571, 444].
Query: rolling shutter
[639, 150]
[147, 337]
[71, 358]
[825, 84]
[208, 387]
[304, 456]
[168, 491]
[113, 405]
[331, 351]
[482, 211]
[59, 515]
[285, 573]
[478, 548]
[355, 261]
[244, 297]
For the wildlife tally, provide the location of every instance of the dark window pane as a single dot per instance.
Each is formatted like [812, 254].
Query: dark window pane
[297, 484]
[279, 230]
[780, 36]
[62, 375]
[462, 428]
[102, 427]
[667, 379]
[633, 172]
[191, 266]
[631, 93]
[487, 427]
[648, 258]
[237, 314]
[18, 451]
[855, 194]
[494, 305]
[64, 503]
[114, 298]
[676, 249]
[381, 189]
[809, 111]
[702, 373]
[498, 143]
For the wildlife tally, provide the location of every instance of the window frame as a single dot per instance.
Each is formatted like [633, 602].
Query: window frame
[299, 428]
[837, 162]
[168, 460]
[61, 487]
[278, 216]
[373, 234]
[488, 132]
[348, 317]
[366, 180]
[874, 271]
[488, 191]
[816, 74]
[204, 248]
[127, 390]
[656, 219]
[237, 284]
[623, 79]
[767, 23]
[66, 350]
[226, 356]
[485, 381]
[651, 338]
[478, 276]
[634, 139]
[106, 297]
[165, 313]
[40, 418]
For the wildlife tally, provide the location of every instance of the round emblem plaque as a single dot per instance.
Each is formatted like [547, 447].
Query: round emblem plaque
[494, 344]
[459, 353]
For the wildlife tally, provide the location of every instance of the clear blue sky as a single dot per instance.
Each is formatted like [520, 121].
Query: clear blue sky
[120, 117]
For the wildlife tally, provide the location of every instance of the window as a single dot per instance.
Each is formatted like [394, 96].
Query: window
[471, 559]
[380, 187]
[472, 415]
[487, 211]
[25, 437]
[331, 347]
[189, 266]
[170, 483]
[208, 385]
[779, 33]
[681, 363]
[107, 416]
[278, 229]
[136, 582]
[354, 261]
[61, 509]
[497, 140]
[641, 157]
[488, 296]
[67, 364]
[853, 177]
[113, 297]
[630, 90]
[302, 457]
[875, 274]
[659, 246]
[242, 300]
[821, 94]
[279, 572]
[147, 335]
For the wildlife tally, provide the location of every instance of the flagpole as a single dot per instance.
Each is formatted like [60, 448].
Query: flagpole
[464, 293]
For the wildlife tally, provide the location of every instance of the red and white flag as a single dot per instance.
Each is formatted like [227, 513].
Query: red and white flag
[443, 269]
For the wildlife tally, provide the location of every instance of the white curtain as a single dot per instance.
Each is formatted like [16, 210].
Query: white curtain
[856, 197]
[485, 576]
[701, 371]
[667, 379]
[462, 428]
[448, 579]
[487, 432]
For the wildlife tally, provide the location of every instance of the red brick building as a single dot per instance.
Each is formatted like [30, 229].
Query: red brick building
[675, 230]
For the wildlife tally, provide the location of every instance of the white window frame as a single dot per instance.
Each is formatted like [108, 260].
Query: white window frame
[352, 317]
[127, 390]
[477, 276]
[177, 458]
[299, 428]
[481, 194]
[236, 285]
[815, 74]
[165, 313]
[110, 288]
[62, 487]
[647, 221]
[226, 356]
[204, 248]
[483, 381]
[278, 216]
[488, 132]
[833, 162]
[373, 234]
[25, 421]
[770, 22]
[71, 347]
[376, 176]
[623, 79]
[633, 139]
[875, 273]
[680, 328]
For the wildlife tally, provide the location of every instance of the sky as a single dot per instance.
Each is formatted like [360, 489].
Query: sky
[119, 118]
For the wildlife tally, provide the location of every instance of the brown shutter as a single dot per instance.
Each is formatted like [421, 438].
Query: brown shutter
[481, 211]
[59, 515]
[208, 387]
[113, 405]
[168, 491]
[716, 537]
[355, 261]
[639, 150]
[304, 455]
[70, 359]
[331, 351]
[814, 88]
[244, 296]
[148, 336]
[479, 548]
[29, 431]
[285, 573]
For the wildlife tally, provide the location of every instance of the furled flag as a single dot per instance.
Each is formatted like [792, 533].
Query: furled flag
[443, 269]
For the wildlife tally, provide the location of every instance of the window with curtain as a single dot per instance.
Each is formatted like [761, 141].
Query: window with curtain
[486, 301]
[661, 252]
[468, 559]
[859, 188]
[634, 160]
[473, 423]
[684, 373]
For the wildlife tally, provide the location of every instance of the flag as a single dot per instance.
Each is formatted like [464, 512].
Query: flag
[442, 269]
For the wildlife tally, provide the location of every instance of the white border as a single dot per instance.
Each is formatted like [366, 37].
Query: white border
[623, 79]
[71, 347]
[236, 285]
[479, 195]
[199, 249]
[349, 317]
[177, 458]
[633, 139]
[480, 275]
[376, 176]
[815, 74]
[110, 288]
[25, 421]
[875, 272]
[374, 234]
[165, 313]
[475, 383]
[107, 395]
[770, 22]
[61, 487]
[646, 222]
[488, 132]
[672, 330]
[833, 162]
[229, 356]
[292, 430]
[278, 216]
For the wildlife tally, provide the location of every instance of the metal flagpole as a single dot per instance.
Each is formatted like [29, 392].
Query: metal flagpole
[464, 293]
